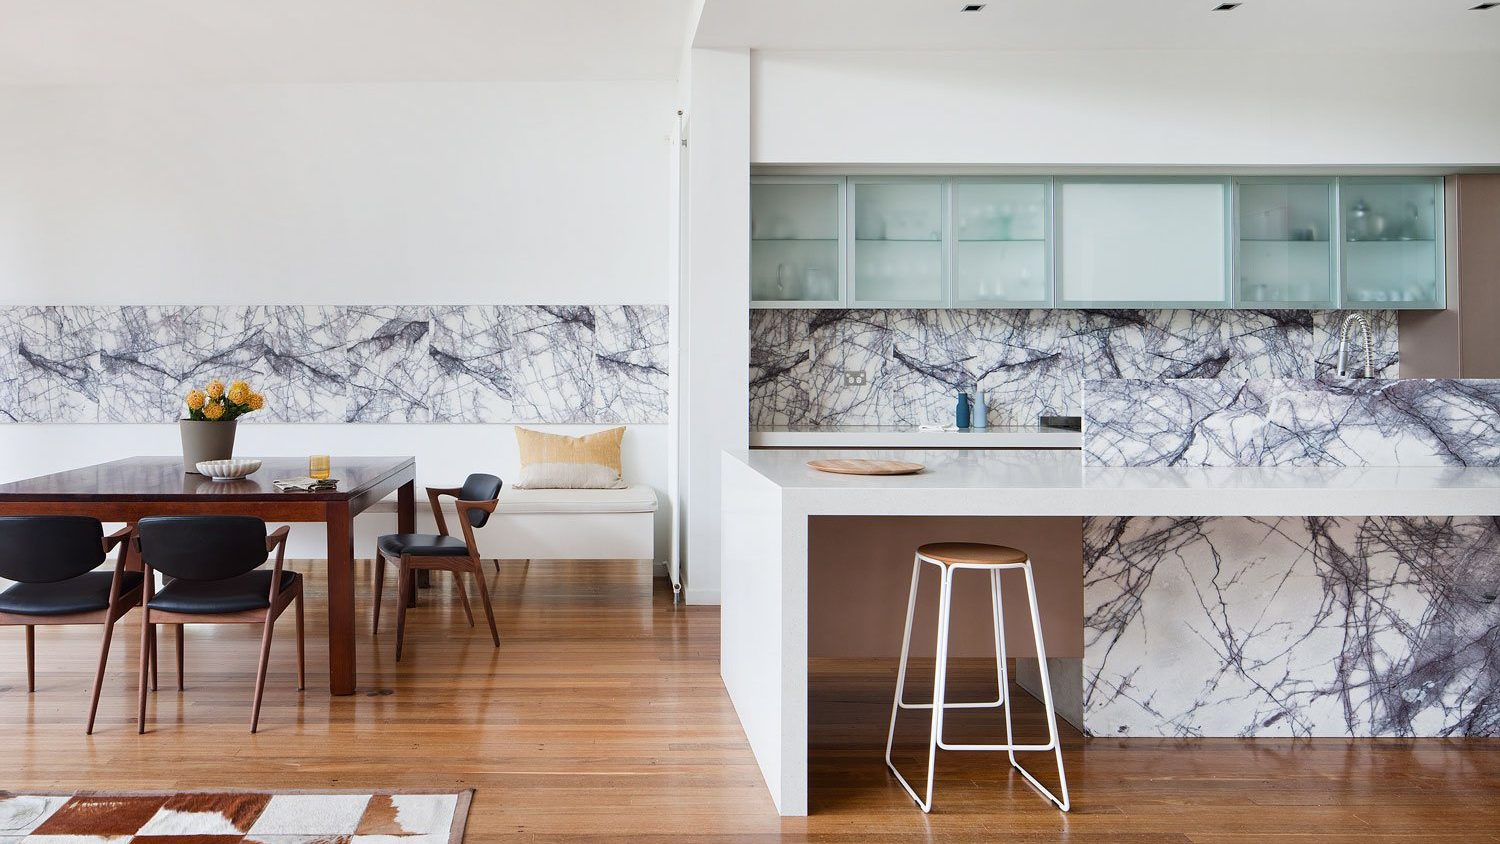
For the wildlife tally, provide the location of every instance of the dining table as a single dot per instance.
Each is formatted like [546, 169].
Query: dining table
[133, 488]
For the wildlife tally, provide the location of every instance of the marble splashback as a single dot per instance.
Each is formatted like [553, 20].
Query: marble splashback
[1283, 422]
[1292, 626]
[339, 363]
[1027, 362]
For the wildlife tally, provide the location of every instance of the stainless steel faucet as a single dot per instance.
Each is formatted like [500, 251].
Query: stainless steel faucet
[1364, 327]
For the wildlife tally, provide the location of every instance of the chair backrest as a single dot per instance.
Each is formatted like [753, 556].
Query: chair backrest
[47, 549]
[479, 487]
[202, 547]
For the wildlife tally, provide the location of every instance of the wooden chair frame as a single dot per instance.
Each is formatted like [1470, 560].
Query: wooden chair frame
[120, 603]
[279, 600]
[409, 564]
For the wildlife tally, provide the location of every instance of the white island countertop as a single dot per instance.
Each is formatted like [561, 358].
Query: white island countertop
[1055, 483]
[906, 436]
[770, 496]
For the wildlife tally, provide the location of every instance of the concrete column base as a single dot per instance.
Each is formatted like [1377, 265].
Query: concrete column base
[1067, 684]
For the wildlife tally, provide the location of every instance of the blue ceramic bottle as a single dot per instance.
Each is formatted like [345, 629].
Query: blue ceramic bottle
[962, 414]
[980, 412]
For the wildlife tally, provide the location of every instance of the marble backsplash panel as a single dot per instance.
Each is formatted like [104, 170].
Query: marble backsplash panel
[1292, 626]
[339, 363]
[1029, 363]
[1291, 422]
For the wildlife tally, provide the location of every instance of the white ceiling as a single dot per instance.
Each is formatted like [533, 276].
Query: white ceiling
[187, 41]
[1293, 25]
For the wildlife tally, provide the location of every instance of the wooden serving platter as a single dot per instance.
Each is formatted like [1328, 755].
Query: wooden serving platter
[861, 466]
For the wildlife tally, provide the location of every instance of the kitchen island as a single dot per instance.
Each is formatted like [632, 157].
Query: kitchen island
[1418, 542]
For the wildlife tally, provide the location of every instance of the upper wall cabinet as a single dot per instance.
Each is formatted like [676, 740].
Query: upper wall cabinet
[1393, 244]
[1286, 251]
[1002, 254]
[1096, 242]
[796, 242]
[897, 249]
[1131, 243]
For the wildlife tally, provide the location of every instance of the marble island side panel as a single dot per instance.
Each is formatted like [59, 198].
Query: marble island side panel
[1293, 626]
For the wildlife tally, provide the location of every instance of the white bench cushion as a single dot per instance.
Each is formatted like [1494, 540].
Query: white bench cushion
[632, 499]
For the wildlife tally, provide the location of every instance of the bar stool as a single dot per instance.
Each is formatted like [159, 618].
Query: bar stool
[950, 557]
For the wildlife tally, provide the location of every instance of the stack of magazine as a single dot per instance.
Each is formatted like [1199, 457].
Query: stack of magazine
[307, 484]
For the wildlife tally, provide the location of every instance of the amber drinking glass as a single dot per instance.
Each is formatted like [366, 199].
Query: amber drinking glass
[318, 466]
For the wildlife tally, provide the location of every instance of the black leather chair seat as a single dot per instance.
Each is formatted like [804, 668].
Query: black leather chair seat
[87, 592]
[237, 594]
[423, 545]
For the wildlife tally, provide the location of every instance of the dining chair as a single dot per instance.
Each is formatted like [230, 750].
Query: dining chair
[214, 563]
[476, 500]
[52, 561]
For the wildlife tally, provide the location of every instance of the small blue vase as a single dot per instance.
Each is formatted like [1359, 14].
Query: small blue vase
[980, 411]
[962, 414]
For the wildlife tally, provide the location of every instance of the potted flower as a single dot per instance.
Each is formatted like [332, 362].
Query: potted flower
[208, 429]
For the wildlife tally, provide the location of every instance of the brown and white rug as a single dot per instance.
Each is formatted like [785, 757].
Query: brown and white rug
[234, 817]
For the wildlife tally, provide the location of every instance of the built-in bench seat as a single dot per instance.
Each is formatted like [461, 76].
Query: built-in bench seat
[545, 524]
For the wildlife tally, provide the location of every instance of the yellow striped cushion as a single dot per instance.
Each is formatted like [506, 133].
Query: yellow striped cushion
[558, 461]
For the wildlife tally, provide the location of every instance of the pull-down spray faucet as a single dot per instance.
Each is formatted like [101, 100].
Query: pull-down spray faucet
[1364, 327]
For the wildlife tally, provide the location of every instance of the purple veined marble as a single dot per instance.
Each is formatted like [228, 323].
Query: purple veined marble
[1028, 362]
[342, 363]
[1292, 422]
[1377, 626]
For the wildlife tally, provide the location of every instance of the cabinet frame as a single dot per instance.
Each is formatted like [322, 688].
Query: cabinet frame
[847, 187]
[945, 281]
[1439, 301]
[1224, 302]
[1049, 239]
[1335, 247]
[841, 247]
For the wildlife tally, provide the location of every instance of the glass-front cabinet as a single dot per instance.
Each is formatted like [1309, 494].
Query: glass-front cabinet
[1097, 241]
[1392, 242]
[1286, 249]
[796, 242]
[1001, 243]
[897, 251]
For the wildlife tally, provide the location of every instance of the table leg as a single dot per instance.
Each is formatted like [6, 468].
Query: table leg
[406, 522]
[340, 599]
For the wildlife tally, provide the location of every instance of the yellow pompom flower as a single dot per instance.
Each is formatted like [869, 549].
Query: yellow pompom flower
[195, 399]
[213, 410]
[257, 401]
[239, 392]
[214, 389]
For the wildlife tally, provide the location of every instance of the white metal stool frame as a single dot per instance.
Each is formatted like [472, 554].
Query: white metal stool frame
[940, 680]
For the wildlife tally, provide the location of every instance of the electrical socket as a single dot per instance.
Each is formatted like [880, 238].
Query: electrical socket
[854, 378]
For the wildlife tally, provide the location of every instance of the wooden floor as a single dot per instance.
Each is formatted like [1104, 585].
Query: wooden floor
[602, 718]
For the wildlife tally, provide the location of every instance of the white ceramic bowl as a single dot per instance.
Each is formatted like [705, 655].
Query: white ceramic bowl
[227, 470]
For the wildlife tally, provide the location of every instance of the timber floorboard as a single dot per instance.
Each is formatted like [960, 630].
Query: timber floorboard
[601, 718]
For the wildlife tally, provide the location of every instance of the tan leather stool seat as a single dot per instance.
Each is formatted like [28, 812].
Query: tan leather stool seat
[979, 553]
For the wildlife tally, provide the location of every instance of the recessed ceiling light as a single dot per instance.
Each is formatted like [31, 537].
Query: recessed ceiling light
[972, 7]
[1226, 7]
[1483, 7]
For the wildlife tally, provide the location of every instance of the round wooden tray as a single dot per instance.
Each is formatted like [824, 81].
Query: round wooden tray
[860, 466]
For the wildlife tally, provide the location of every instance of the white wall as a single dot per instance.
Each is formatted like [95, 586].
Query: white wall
[336, 194]
[714, 389]
[439, 193]
[1126, 108]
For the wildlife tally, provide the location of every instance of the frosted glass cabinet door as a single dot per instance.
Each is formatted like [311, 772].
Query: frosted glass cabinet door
[1286, 243]
[1141, 243]
[1393, 249]
[795, 254]
[1000, 244]
[897, 248]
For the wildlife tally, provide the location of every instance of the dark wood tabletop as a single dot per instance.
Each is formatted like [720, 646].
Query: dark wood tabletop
[163, 479]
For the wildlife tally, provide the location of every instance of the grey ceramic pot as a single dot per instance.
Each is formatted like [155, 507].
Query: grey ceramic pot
[202, 440]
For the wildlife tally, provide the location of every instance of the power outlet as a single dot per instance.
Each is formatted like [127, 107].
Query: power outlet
[854, 378]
